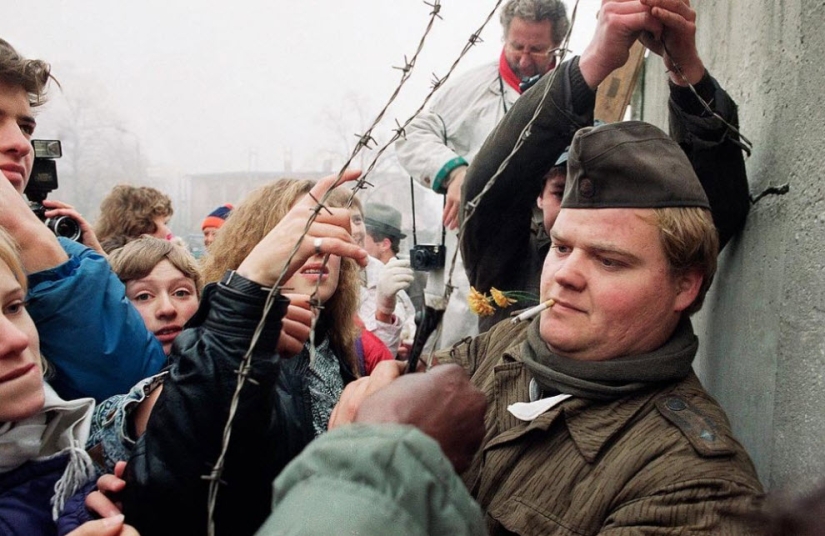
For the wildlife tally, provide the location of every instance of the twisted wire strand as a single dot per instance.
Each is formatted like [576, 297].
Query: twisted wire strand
[744, 143]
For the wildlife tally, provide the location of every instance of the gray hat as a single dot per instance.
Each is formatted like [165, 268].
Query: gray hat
[629, 164]
[383, 219]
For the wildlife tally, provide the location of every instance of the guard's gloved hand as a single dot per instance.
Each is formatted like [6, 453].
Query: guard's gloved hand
[396, 275]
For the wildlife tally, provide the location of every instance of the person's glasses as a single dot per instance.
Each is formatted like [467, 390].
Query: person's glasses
[535, 55]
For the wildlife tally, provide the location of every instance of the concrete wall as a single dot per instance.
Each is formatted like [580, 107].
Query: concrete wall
[762, 331]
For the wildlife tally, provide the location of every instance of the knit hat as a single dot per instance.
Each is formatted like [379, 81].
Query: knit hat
[630, 164]
[217, 217]
[384, 219]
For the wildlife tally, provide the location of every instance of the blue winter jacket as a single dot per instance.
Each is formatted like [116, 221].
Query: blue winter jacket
[25, 499]
[90, 333]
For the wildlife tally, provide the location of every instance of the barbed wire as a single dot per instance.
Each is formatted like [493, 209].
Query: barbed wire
[364, 140]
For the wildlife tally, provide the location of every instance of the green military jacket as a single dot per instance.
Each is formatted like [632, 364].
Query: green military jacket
[661, 461]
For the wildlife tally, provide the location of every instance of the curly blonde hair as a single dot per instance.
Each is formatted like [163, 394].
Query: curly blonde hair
[259, 213]
[128, 212]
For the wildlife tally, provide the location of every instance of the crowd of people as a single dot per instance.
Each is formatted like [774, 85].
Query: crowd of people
[265, 388]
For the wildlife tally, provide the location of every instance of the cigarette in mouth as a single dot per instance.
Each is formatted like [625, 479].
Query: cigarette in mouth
[532, 312]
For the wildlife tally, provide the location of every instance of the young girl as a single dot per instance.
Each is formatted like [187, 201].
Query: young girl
[162, 282]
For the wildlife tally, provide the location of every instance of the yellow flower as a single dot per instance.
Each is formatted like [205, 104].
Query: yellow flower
[479, 303]
[501, 298]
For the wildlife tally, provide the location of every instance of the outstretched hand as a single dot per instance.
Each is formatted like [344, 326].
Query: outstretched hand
[330, 231]
[296, 326]
[619, 24]
[39, 249]
[104, 504]
[108, 526]
[442, 403]
[356, 392]
[395, 277]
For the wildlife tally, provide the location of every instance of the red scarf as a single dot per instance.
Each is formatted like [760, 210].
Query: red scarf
[509, 76]
[507, 73]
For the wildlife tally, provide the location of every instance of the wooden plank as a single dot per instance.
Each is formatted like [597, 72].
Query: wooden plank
[615, 91]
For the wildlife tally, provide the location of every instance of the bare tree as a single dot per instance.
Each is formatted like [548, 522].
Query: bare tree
[99, 150]
[389, 182]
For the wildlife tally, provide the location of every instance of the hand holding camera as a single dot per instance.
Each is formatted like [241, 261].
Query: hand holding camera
[65, 215]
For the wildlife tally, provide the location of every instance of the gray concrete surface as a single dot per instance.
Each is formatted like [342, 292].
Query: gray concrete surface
[762, 331]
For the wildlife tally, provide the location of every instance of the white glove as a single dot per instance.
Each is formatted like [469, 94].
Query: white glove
[396, 275]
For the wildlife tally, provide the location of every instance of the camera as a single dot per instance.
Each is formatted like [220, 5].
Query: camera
[528, 81]
[43, 180]
[427, 257]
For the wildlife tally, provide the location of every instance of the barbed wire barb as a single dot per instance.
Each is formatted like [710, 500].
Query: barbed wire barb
[436, 5]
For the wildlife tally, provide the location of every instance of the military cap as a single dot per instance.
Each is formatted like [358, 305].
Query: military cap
[630, 164]
[383, 219]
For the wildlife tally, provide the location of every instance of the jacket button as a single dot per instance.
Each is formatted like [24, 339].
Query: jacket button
[708, 436]
[676, 404]
[586, 188]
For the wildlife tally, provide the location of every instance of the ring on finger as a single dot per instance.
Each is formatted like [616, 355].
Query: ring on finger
[317, 243]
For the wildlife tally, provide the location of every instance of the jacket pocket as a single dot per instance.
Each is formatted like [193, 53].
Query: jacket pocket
[518, 516]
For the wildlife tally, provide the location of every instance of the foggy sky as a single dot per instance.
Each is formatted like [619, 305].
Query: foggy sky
[216, 86]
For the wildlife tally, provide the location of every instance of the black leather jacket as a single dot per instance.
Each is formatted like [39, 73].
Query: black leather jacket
[165, 491]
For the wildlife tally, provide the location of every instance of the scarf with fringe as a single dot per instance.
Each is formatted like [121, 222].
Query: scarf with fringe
[60, 428]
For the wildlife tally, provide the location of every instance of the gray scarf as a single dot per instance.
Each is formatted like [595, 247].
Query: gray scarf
[60, 428]
[324, 383]
[614, 378]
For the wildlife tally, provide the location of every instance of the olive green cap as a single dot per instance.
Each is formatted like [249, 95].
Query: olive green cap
[630, 164]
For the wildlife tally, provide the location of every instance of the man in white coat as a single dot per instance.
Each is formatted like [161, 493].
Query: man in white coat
[441, 142]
